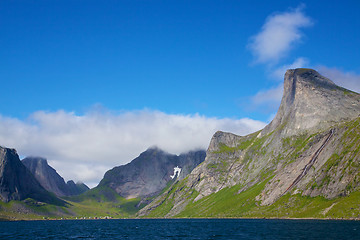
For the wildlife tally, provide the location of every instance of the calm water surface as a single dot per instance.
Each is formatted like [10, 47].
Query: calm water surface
[181, 229]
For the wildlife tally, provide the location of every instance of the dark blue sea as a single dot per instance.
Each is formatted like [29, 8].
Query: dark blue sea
[181, 229]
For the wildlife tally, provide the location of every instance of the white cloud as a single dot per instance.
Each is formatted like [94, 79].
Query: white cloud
[278, 35]
[276, 38]
[349, 80]
[83, 147]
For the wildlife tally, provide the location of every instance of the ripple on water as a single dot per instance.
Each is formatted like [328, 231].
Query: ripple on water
[181, 229]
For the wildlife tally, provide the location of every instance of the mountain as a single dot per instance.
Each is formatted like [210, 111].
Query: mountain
[305, 163]
[312, 102]
[150, 173]
[50, 179]
[76, 188]
[17, 182]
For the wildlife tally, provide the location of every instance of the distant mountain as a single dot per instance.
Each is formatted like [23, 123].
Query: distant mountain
[50, 179]
[149, 173]
[17, 182]
[305, 163]
[76, 188]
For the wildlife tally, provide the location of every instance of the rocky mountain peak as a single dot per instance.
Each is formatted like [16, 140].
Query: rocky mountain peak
[220, 137]
[309, 76]
[35, 162]
[6, 156]
[149, 173]
[312, 102]
[49, 178]
[153, 151]
[17, 182]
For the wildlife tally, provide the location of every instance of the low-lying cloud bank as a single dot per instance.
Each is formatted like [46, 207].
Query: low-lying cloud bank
[83, 147]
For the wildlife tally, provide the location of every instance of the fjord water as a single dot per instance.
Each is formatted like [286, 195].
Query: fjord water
[181, 229]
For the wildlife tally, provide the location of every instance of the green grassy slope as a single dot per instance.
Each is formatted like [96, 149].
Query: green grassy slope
[228, 203]
[98, 202]
[103, 201]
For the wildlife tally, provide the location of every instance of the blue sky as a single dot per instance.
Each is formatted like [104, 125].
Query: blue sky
[68, 66]
[173, 56]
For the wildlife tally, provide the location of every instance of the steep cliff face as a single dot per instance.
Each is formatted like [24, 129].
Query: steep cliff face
[49, 178]
[149, 173]
[312, 102]
[46, 175]
[17, 182]
[311, 148]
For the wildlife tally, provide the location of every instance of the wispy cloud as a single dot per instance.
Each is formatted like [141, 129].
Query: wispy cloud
[349, 80]
[278, 35]
[83, 147]
[268, 99]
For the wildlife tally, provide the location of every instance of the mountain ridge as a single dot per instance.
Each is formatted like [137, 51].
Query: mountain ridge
[17, 182]
[50, 179]
[276, 156]
[150, 172]
[309, 101]
[305, 163]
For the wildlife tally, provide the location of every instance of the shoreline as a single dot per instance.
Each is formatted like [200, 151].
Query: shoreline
[183, 218]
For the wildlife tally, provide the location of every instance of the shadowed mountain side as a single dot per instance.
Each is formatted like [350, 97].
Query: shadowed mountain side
[17, 182]
[76, 188]
[149, 173]
[50, 179]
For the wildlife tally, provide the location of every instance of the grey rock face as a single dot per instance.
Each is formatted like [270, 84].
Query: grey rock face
[49, 178]
[312, 102]
[17, 182]
[312, 107]
[149, 173]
